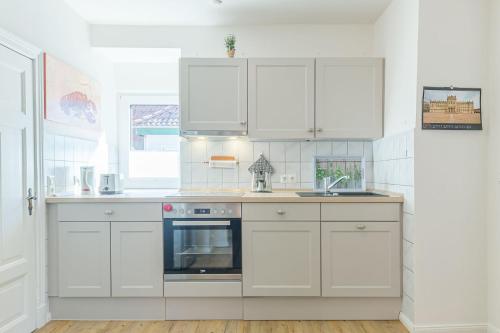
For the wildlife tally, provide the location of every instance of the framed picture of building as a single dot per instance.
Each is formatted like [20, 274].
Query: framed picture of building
[450, 108]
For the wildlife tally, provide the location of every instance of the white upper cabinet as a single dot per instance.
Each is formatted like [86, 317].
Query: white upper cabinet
[213, 96]
[349, 97]
[281, 98]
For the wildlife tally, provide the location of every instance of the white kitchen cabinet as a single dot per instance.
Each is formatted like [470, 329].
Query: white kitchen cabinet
[360, 259]
[281, 98]
[213, 96]
[281, 258]
[84, 259]
[137, 259]
[349, 98]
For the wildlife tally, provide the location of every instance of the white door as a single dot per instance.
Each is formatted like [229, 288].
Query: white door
[213, 96]
[84, 259]
[360, 259]
[281, 259]
[17, 261]
[281, 98]
[349, 98]
[137, 259]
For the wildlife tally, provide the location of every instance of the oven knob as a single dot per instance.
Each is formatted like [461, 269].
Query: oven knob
[230, 211]
[214, 211]
[181, 211]
[188, 211]
[168, 207]
[222, 211]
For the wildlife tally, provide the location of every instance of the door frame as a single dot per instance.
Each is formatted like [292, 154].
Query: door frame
[33, 53]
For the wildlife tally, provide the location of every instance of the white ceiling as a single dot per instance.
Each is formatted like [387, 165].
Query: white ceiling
[230, 12]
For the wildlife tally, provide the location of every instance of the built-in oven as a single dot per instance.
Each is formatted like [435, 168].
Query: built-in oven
[202, 241]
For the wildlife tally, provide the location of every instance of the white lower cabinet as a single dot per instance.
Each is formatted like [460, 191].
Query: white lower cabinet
[136, 259]
[281, 258]
[360, 259]
[84, 259]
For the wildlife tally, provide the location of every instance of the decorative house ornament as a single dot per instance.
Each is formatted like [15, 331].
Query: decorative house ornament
[230, 42]
[451, 108]
[71, 97]
[261, 171]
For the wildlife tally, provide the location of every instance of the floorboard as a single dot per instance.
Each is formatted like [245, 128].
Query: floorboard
[223, 326]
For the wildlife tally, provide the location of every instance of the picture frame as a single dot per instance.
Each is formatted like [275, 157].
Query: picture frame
[451, 108]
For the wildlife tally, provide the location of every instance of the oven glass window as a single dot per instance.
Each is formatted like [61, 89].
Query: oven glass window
[202, 247]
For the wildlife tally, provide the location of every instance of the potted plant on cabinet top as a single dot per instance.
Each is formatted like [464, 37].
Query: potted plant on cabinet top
[230, 42]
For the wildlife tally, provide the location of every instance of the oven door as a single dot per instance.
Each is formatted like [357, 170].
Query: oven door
[202, 249]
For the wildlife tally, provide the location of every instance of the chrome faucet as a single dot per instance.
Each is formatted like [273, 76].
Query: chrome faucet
[336, 181]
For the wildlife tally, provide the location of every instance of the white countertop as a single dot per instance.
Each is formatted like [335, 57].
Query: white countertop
[216, 196]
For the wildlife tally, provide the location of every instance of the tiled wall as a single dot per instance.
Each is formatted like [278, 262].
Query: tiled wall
[394, 171]
[290, 158]
[64, 155]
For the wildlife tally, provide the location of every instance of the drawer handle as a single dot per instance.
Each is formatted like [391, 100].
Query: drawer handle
[311, 130]
[243, 123]
[361, 226]
[108, 212]
[280, 212]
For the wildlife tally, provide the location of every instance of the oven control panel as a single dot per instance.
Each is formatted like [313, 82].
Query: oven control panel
[201, 210]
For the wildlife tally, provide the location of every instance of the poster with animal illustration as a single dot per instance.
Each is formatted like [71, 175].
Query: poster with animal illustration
[70, 96]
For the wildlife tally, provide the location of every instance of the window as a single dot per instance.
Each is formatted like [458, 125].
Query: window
[149, 141]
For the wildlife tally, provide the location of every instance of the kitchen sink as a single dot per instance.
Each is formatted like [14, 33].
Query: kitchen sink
[341, 194]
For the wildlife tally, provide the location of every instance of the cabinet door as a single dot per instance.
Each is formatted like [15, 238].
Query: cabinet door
[137, 259]
[213, 95]
[360, 259]
[281, 98]
[349, 98]
[281, 259]
[84, 259]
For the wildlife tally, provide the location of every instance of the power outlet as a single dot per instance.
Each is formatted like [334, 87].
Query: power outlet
[292, 178]
[283, 179]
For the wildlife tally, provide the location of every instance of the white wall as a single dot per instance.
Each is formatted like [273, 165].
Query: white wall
[493, 228]
[252, 41]
[450, 168]
[395, 39]
[147, 77]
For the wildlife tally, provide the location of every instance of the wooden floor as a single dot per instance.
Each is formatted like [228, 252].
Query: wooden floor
[223, 326]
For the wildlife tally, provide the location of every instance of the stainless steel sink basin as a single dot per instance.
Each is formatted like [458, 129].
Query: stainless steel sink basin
[341, 194]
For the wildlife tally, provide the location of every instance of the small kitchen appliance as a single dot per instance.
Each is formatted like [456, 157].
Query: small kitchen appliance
[202, 241]
[87, 179]
[111, 183]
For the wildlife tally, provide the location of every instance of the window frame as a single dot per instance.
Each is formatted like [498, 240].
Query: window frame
[124, 102]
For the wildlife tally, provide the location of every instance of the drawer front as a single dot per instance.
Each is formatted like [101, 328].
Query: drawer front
[360, 212]
[203, 289]
[129, 212]
[281, 212]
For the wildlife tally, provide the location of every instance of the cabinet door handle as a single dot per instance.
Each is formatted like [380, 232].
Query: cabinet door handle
[361, 226]
[108, 212]
[243, 123]
[319, 130]
[311, 130]
[280, 212]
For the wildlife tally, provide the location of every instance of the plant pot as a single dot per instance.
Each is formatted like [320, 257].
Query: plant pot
[230, 53]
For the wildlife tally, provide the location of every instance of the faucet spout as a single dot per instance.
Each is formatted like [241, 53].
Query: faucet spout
[336, 181]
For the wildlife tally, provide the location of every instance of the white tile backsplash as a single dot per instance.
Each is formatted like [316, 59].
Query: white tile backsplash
[355, 148]
[291, 158]
[393, 171]
[64, 155]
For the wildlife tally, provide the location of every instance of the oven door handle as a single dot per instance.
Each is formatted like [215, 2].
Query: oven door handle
[200, 223]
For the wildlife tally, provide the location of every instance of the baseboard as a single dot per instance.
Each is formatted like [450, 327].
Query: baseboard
[493, 329]
[462, 328]
[406, 322]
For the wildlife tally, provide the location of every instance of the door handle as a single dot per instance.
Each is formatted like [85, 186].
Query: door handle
[280, 212]
[30, 199]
